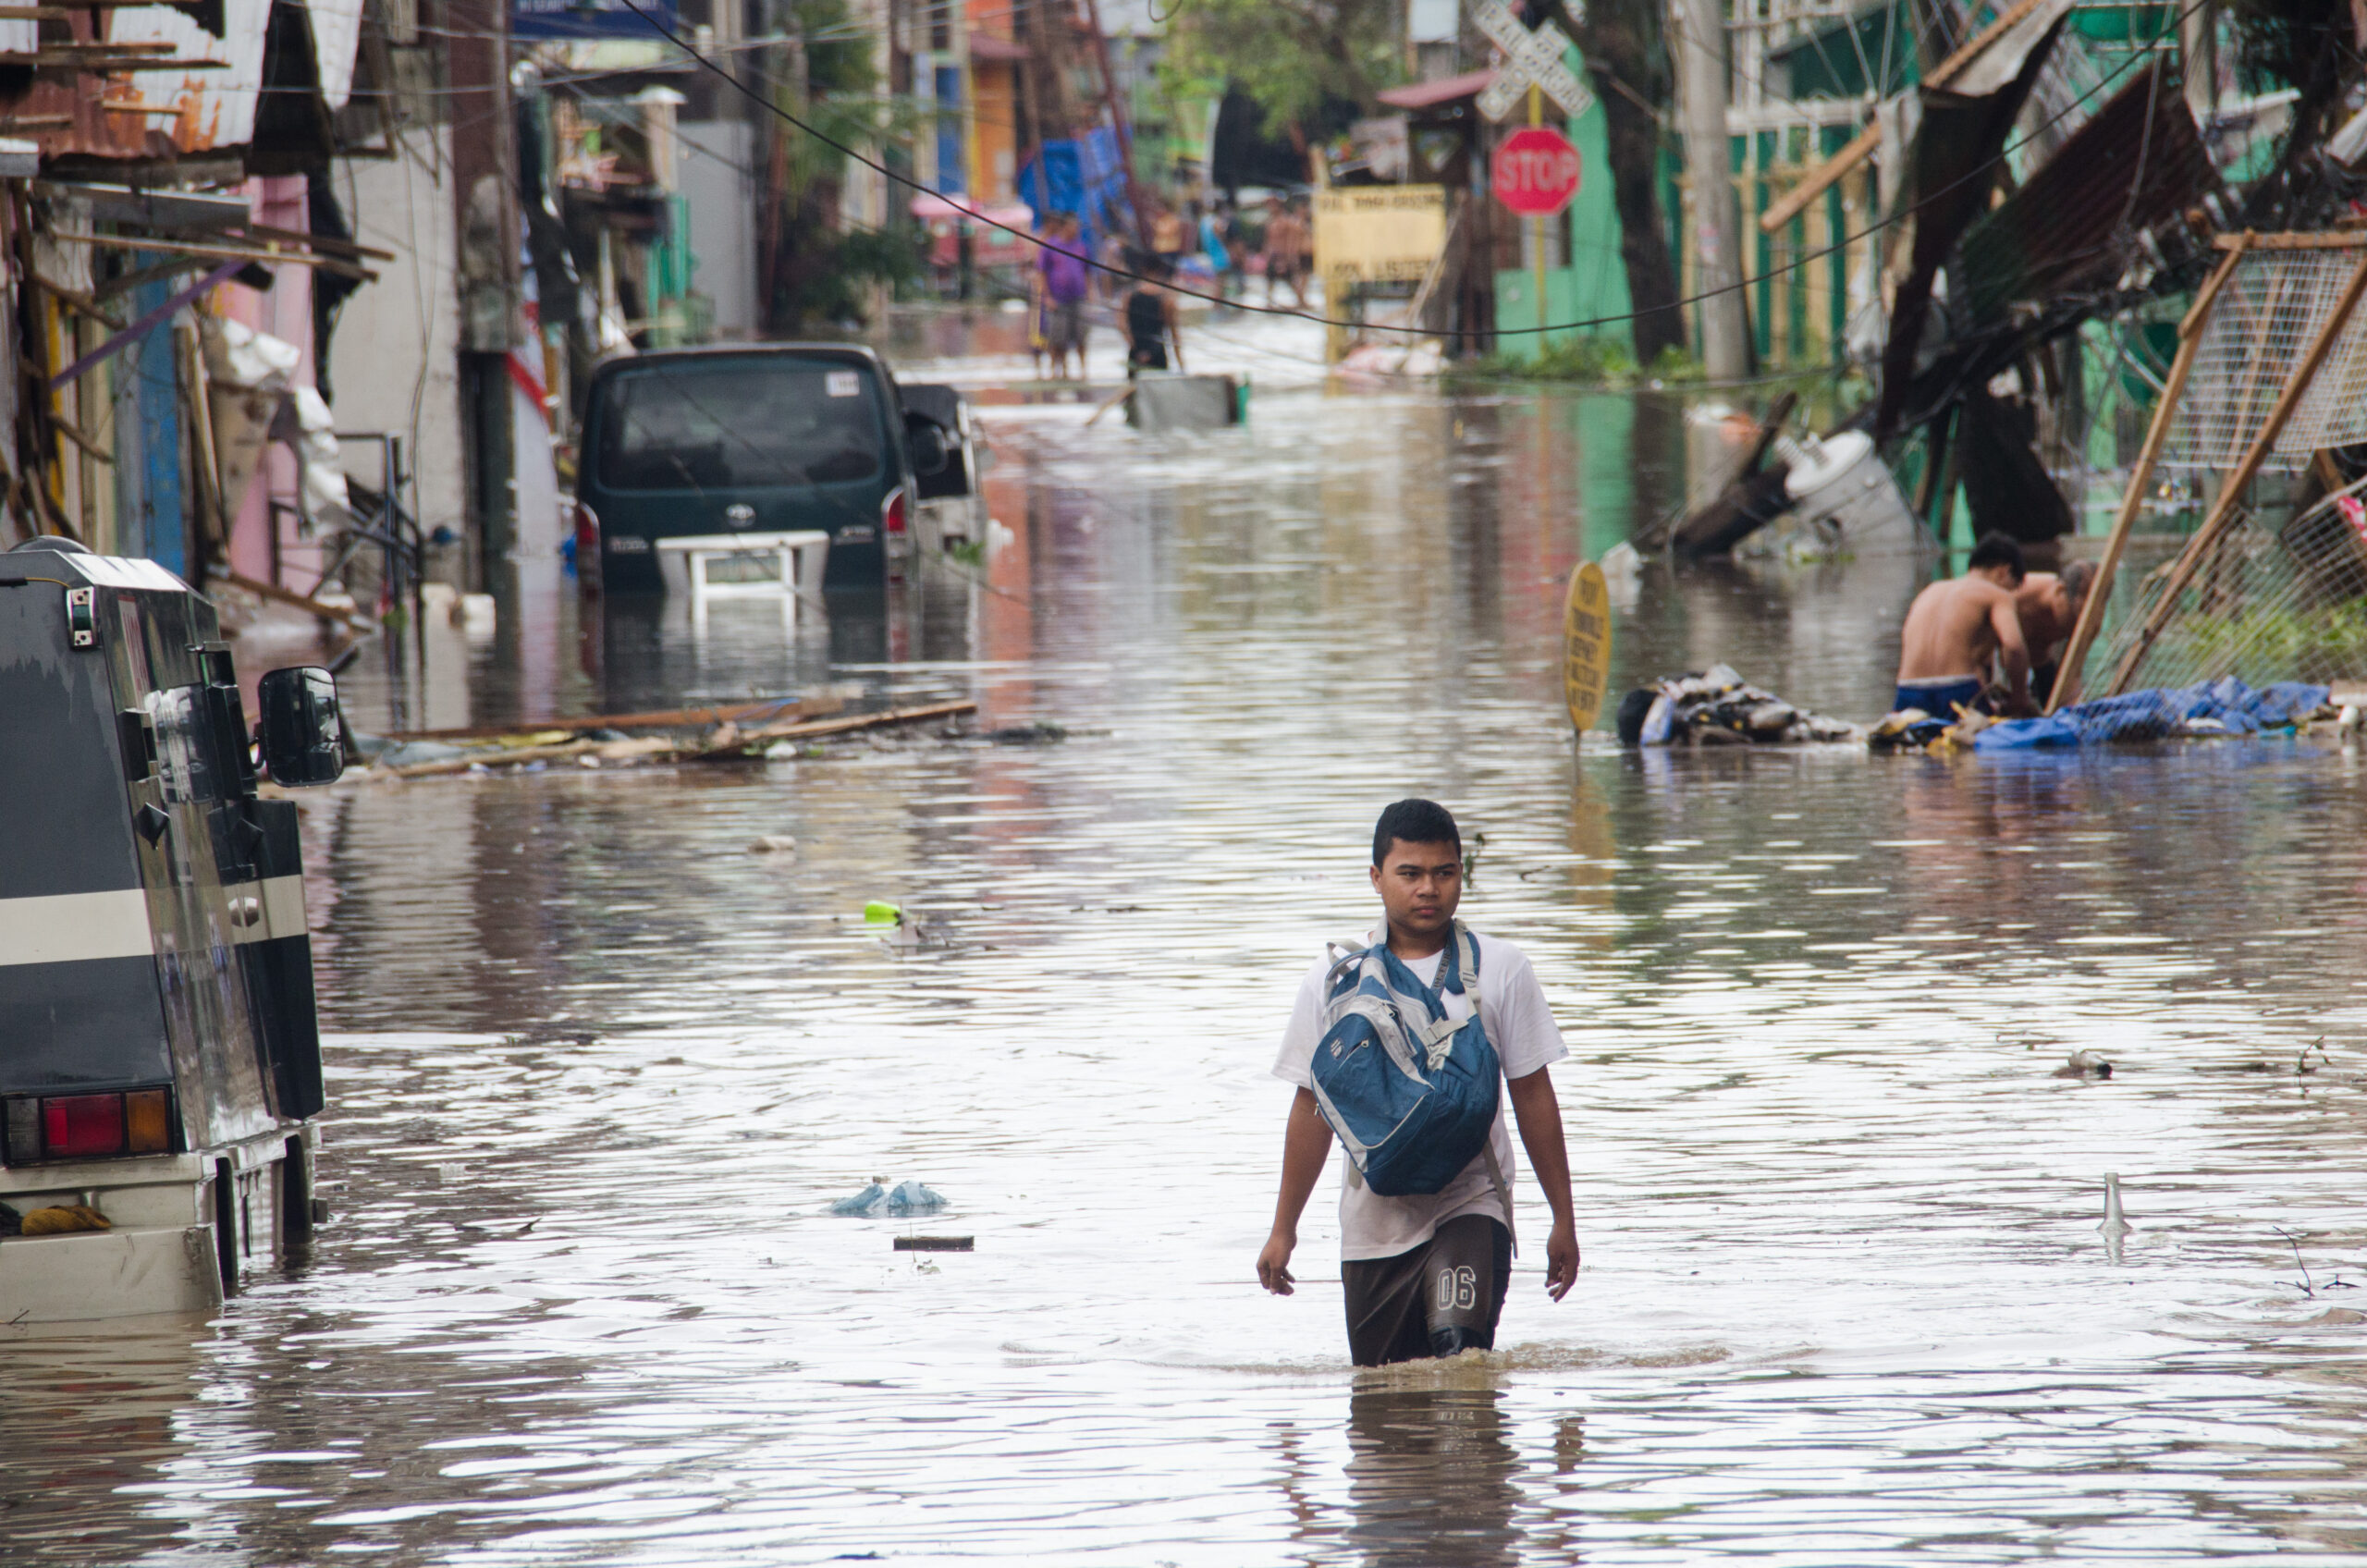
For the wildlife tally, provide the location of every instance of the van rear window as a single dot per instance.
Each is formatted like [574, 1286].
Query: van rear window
[738, 423]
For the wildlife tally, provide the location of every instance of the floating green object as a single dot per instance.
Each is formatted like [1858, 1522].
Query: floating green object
[878, 912]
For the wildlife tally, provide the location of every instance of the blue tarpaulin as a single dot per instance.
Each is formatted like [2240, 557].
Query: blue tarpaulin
[1083, 177]
[2222, 707]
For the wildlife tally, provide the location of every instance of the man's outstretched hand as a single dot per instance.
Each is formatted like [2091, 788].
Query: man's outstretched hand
[1274, 1263]
[1561, 1259]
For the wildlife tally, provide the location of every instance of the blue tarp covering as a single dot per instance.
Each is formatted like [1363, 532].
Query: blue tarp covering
[1083, 177]
[2234, 707]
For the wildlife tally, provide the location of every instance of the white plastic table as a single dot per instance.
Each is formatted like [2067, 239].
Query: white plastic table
[801, 555]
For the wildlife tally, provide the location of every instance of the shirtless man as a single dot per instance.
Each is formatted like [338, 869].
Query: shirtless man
[1953, 627]
[2049, 607]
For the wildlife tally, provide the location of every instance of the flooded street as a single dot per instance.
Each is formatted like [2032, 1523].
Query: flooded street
[596, 1072]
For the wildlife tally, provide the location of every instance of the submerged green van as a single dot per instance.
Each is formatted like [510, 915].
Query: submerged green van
[750, 439]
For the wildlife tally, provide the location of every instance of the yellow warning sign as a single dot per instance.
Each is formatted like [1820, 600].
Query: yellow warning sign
[1586, 644]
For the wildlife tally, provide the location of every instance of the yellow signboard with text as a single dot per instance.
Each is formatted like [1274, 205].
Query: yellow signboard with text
[1367, 234]
[1586, 644]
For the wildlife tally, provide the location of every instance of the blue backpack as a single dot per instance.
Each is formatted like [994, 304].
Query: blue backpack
[1410, 1093]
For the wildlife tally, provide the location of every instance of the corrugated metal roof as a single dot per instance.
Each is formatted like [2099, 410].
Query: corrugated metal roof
[173, 111]
[2075, 223]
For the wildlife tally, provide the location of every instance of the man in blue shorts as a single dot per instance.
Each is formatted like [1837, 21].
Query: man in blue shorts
[1955, 628]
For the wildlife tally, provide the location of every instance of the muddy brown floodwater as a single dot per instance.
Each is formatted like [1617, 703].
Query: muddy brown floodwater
[596, 1072]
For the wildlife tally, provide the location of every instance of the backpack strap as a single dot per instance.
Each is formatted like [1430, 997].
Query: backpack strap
[1467, 941]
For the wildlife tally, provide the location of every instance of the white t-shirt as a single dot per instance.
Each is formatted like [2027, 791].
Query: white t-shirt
[1520, 1025]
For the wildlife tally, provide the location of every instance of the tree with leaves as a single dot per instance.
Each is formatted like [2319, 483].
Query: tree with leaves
[812, 266]
[1292, 56]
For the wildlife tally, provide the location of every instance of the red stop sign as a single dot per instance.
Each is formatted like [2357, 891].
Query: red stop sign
[1535, 171]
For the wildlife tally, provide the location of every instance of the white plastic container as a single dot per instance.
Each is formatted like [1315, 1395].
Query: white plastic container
[1844, 481]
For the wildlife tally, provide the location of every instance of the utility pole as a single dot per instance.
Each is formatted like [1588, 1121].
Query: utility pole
[484, 201]
[1120, 123]
[1700, 45]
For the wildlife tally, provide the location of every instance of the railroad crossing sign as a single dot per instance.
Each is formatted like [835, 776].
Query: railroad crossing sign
[1531, 59]
[1535, 171]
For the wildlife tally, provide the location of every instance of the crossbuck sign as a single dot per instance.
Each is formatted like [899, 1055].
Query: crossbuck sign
[1531, 59]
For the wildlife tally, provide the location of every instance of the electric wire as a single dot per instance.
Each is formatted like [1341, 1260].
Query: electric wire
[1797, 262]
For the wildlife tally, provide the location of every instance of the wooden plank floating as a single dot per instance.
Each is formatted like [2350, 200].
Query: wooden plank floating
[778, 708]
[729, 743]
[936, 1243]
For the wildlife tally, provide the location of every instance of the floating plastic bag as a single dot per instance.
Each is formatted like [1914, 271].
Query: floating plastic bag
[868, 1201]
[907, 1197]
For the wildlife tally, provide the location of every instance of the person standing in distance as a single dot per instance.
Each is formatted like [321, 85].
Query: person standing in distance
[1426, 1274]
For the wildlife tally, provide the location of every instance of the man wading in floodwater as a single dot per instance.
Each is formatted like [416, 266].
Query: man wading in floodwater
[1426, 1272]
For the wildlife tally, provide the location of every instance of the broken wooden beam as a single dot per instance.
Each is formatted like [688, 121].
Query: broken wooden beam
[779, 708]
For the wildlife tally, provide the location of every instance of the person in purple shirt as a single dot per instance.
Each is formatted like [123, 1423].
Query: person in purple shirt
[1065, 281]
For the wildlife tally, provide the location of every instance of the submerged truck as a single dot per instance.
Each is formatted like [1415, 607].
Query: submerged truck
[160, 1064]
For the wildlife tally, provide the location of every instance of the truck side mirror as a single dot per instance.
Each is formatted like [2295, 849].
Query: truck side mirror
[927, 439]
[301, 736]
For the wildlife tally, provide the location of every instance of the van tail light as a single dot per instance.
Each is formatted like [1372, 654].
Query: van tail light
[894, 513]
[587, 548]
[86, 1126]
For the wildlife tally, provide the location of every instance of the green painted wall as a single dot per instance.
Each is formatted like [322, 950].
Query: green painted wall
[1595, 284]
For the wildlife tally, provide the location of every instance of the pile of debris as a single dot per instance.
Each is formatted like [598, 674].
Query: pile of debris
[1717, 707]
[687, 735]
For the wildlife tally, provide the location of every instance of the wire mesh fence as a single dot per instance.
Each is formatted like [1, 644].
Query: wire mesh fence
[2272, 309]
[2266, 603]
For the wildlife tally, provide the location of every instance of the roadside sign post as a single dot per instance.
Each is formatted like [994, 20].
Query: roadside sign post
[1535, 171]
[1537, 223]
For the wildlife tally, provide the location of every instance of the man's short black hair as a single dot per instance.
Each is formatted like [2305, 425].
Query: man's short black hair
[1995, 549]
[1416, 822]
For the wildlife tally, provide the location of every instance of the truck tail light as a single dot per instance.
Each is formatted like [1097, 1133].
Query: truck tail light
[86, 1126]
[81, 1126]
[894, 513]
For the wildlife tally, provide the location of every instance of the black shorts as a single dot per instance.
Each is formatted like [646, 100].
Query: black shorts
[1443, 1296]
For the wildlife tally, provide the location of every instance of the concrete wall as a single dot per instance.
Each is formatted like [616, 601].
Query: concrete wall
[394, 360]
[719, 190]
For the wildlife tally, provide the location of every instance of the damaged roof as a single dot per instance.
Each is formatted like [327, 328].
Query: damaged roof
[2075, 223]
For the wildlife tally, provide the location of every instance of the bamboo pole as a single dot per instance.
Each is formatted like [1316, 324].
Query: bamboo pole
[2132, 500]
[2222, 511]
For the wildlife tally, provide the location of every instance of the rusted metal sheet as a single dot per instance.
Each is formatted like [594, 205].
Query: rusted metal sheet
[2074, 226]
[199, 110]
[175, 110]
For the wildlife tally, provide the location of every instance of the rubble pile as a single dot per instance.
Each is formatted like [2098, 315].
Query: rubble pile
[1717, 707]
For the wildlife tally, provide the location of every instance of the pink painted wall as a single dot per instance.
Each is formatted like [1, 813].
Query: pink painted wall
[285, 310]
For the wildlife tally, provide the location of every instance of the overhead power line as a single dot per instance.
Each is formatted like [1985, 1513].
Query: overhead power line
[1803, 259]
